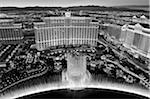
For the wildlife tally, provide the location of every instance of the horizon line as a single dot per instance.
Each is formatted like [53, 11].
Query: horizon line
[74, 6]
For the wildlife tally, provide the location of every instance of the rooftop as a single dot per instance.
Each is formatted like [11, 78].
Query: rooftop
[145, 25]
[142, 24]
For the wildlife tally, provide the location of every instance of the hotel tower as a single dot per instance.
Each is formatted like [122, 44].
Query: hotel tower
[67, 30]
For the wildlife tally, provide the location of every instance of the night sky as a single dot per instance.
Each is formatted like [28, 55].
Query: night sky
[66, 3]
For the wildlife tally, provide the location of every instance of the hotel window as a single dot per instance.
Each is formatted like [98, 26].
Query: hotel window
[84, 32]
[43, 34]
[136, 39]
[55, 34]
[55, 21]
[11, 31]
[81, 33]
[36, 36]
[46, 44]
[60, 33]
[40, 35]
[67, 33]
[52, 32]
[81, 21]
[49, 33]
[17, 34]
[1, 33]
[5, 33]
[146, 48]
[97, 31]
[72, 21]
[13, 34]
[52, 21]
[93, 33]
[90, 33]
[77, 32]
[87, 33]
[39, 46]
[142, 42]
[46, 34]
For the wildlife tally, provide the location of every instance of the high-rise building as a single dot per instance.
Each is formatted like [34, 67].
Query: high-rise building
[10, 33]
[136, 37]
[68, 30]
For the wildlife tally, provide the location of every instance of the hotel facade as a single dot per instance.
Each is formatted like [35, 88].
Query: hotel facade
[55, 31]
[10, 33]
[137, 38]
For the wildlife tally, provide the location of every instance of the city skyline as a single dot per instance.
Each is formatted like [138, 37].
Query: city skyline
[47, 48]
[67, 3]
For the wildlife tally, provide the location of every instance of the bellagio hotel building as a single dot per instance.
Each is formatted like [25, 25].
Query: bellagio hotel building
[67, 30]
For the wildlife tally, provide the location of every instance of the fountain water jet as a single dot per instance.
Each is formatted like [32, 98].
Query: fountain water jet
[76, 75]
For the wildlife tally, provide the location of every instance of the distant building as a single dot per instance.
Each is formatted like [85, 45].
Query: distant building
[10, 15]
[136, 37]
[142, 19]
[134, 17]
[6, 22]
[10, 33]
[55, 31]
[2, 64]
[2, 15]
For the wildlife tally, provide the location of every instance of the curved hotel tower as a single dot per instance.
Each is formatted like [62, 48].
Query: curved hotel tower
[66, 30]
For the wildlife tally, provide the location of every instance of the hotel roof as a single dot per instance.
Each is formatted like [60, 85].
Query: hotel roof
[134, 17]
[142, 24]
[6, 20]
[145, 25]
[72, 17]
[143, 17]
